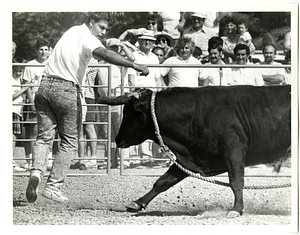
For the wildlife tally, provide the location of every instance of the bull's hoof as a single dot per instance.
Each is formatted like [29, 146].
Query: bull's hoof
[233, 214]
[133, 207]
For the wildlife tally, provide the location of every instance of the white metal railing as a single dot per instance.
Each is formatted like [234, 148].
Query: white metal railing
[122, 89]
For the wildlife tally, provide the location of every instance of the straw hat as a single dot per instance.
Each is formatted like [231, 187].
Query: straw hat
[147, 34]
[113, 42]
[167, 36]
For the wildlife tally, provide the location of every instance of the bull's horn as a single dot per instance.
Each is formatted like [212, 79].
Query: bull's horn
[123, 99]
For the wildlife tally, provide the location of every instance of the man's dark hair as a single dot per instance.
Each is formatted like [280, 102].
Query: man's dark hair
[215, 43]
[157, 18]
[42, 42]
[239, 47]
[97, 16]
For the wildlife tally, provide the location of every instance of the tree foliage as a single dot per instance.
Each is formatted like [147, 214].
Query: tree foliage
[27, 27]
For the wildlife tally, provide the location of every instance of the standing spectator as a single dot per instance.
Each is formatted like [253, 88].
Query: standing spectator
[88, 115]
[165, 41]
[58, 100]
[230, 41]
[154, 23]
[189, 77]
[244, 36]
[17, 101]
[216, 76]
[244, 76]
[199, 33]
[33, 76]
[271, 76]
[288, 79]
[152, 80]
[117, 46]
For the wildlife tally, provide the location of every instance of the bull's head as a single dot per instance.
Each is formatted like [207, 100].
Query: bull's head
[137, 125]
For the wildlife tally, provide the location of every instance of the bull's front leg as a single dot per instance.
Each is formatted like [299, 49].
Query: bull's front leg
[173, 176]
[235, 159]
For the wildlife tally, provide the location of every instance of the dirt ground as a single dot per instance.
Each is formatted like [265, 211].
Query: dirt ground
[100, 200]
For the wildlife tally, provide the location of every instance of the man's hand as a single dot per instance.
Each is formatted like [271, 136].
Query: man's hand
[141, 68]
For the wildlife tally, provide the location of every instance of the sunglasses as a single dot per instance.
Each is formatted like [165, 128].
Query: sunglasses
[163, 40]
[152, 23]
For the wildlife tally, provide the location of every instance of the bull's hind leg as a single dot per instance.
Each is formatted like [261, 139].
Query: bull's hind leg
[166, 181]
[235, 160]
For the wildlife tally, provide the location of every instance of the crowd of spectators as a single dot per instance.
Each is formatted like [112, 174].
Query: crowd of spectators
[166, 39]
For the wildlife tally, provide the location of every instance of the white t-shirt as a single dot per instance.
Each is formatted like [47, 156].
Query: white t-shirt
[200, 38]
[184, 77]
[149, 80]
[215, 73]
[245, 76]
[19, 100]
[72, 53]
[272, 71]
[34, 75]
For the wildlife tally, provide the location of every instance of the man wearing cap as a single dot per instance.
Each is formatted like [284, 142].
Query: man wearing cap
[144, 55]
[117, 74]
[199, 33]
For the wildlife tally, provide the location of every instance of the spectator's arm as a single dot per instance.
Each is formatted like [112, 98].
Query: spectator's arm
[127, 52]
[275, 79]
[114, 58]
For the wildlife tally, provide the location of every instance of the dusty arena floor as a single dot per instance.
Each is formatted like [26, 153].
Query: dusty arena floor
[101, 200]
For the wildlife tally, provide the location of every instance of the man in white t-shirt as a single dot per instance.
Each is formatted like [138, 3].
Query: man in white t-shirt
[216, 76]
[33, 76]
[58, 102]
[184, 76]
[244, 76]
[145, 56]
[271, 76]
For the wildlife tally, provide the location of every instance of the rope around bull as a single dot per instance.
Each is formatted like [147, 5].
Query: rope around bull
[168, 153]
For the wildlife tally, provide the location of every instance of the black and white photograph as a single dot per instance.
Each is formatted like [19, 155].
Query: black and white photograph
[163, 118]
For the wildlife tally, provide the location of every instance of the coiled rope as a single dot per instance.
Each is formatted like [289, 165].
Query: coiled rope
[169, 154]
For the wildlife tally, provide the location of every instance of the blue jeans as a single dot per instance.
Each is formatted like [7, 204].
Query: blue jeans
[58, 106]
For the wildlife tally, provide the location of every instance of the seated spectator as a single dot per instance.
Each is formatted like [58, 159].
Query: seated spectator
[216, 76]
[198, 32]
[165, 41]
[230, 40]
[271, 76]
[288, 79]
[179, 76]
[160, 53]
[244, 36]
[244, 76]
[197, 53]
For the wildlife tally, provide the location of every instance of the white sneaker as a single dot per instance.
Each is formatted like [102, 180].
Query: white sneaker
[53, 193]
[16, 167]
[27, 166]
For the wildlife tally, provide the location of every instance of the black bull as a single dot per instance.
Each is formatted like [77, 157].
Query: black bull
[211, 130]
